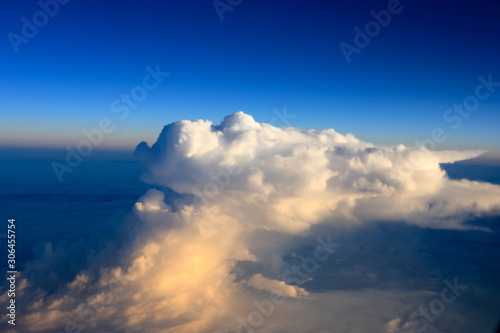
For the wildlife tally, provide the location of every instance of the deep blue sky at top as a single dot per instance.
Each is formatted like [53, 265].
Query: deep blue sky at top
[264, 55]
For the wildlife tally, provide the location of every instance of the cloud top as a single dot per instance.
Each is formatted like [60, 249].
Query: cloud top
[298, 178]
[211, 243]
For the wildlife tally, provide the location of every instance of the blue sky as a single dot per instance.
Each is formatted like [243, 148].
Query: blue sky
[404, 225]
[260, 57]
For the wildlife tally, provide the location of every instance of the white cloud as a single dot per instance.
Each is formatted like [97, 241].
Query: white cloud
[249, 178]
[298, 178]
[259, 281]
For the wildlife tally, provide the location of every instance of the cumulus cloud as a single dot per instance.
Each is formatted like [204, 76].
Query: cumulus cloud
[241, 191]
[259, 281]
[291, 179]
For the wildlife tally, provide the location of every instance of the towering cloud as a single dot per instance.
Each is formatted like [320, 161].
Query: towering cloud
[204, 251]
[291, 179]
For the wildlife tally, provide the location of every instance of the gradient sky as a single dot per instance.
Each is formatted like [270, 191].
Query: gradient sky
[262, 56]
